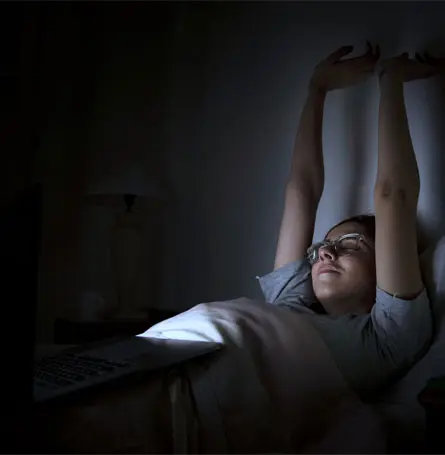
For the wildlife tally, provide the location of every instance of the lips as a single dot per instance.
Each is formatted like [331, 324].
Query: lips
[325, 269]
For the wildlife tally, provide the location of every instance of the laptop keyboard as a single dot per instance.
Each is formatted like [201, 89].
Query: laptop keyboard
[69, 369]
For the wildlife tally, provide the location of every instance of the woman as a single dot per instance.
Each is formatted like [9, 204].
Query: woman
[364, 278]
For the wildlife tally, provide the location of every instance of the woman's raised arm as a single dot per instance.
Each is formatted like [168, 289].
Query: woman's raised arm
[306, 178]
[397, 185]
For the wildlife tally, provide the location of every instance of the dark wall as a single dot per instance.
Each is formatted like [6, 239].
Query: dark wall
[205, 98]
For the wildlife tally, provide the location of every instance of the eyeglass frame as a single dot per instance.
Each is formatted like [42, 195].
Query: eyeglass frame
[333, 243]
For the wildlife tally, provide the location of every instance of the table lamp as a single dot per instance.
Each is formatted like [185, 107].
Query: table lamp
[135, 251]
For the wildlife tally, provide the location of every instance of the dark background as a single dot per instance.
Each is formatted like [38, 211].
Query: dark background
[202, 101]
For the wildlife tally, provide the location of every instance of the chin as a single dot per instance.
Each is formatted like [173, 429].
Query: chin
[330, 286]
[328, 294]
[328, 291]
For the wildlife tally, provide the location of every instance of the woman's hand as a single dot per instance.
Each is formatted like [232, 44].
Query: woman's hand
[333, 73]
[404, 69]
[438, 63]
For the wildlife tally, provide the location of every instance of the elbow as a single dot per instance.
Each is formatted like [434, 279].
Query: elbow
[304, 190]
[392, 191]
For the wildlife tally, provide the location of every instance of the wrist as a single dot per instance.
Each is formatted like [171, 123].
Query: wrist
[316, 91]
[387, 79]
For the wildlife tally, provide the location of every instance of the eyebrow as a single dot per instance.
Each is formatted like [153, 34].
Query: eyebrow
[338, 236]
[341, 235]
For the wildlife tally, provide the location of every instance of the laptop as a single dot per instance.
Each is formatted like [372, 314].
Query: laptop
[40, 380]
[93, 364]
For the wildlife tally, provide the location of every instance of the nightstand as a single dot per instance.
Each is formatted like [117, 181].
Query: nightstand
[78, 332]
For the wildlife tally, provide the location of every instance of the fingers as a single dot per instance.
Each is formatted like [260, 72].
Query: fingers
[371, 53]
[377, 52]
[419, 58]
[434, 64]
[365, 63]
[339, 53]
[368, 48]
[367, 59]
[427, 54]
[428, 59]
[407, 69]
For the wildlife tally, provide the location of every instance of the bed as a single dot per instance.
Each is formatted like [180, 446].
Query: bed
[252, 397]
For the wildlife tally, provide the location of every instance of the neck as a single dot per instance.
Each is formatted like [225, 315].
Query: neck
[347, 305]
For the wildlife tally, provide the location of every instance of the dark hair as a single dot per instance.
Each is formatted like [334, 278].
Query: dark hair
[368, 221]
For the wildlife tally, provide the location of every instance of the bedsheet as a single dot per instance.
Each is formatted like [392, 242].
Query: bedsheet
[274, 388]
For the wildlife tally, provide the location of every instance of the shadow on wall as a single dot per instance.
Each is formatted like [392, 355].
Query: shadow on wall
[432, 230]
[356, 129]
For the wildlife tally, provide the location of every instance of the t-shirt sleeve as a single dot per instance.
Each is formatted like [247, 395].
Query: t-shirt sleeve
[404, 327]
[289, 285]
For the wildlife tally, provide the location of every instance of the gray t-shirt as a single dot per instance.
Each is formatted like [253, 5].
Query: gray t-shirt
[370, 350]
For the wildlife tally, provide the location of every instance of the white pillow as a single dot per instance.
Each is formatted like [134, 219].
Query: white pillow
[404, 415]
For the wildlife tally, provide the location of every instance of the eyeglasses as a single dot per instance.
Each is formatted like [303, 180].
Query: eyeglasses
[344, 245]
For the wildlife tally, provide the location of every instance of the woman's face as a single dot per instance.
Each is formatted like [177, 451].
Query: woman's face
[350, 286]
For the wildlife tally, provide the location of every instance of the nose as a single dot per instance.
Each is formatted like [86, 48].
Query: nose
[327, 253]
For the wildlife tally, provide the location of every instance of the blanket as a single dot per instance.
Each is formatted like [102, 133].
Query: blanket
[274, 388]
